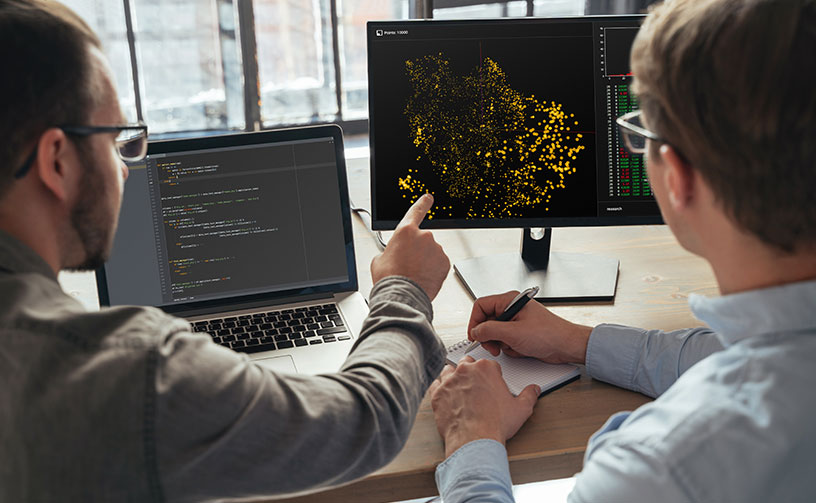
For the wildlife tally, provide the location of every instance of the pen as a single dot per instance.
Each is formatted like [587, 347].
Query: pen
[511, 310]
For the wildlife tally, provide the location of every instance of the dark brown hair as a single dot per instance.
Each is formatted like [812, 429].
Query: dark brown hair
[729, 84]
[46, 77]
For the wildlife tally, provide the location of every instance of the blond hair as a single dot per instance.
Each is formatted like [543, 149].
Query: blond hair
[728, 83]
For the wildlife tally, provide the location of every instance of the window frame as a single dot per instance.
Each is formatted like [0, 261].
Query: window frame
[253, 120]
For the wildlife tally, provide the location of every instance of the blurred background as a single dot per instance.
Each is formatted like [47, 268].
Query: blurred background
[192, 67]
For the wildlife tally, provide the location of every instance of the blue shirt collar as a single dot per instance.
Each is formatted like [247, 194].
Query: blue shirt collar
[786, 308]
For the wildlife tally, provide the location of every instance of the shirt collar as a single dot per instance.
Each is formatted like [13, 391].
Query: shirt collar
[738, 316]
[17, 257]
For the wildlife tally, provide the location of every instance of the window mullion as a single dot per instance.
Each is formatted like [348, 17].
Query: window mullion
[134, 67]
[421, 9]
[249, 58]
[338, 86]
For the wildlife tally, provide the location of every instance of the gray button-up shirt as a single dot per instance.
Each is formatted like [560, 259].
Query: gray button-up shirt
[127, 404]
[733, 421]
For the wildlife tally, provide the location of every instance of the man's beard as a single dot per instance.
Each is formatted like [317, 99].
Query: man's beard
[92, 221]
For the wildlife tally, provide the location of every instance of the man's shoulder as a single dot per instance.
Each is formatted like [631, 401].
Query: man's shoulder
[751, 403]
[126, 327]
[34, 311]
[747, 386]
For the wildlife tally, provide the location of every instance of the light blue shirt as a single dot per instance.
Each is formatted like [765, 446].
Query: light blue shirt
[733, 421]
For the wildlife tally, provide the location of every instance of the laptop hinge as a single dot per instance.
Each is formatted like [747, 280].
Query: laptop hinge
[186, 313]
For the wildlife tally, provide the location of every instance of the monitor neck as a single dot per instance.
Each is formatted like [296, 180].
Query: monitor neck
[535, 247]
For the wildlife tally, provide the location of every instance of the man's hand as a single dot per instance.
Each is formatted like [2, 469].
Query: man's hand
[413, 253]
[534, 331]
[472, 402]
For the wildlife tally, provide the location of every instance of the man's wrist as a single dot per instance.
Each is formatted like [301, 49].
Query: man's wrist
[456, 439]
[579, 340]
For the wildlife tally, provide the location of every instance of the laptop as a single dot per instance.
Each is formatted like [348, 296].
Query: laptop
[248, 236]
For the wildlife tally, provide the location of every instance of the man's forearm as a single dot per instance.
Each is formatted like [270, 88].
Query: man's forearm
[646, 361]
[221, 417]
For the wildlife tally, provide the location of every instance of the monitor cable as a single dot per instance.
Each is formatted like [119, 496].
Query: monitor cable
[377, 234]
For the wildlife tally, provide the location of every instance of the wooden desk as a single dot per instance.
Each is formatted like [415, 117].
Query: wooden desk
[656, 277]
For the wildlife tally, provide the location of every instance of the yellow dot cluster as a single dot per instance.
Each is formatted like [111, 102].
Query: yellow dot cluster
[497, 152]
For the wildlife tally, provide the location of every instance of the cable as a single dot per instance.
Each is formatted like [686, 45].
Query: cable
[377, 234]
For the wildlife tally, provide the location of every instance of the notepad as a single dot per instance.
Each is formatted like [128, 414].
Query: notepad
[519, 373]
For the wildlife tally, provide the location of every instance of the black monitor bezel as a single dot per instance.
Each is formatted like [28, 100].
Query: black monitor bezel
[379, 224]
[240, 139]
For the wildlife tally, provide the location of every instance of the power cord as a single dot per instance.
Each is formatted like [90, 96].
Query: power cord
[377, 234]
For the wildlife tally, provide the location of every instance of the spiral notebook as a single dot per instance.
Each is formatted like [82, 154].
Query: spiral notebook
[519, 373]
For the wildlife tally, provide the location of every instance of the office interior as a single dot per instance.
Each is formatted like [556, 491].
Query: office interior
[192, 68]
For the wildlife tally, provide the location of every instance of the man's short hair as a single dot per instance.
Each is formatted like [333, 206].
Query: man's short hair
[46, 78]
[729, 84]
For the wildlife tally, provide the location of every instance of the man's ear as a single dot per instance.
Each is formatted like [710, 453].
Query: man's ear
[680, 178]
[56, 163]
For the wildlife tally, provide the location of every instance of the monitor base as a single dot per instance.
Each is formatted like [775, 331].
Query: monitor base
[567, 277]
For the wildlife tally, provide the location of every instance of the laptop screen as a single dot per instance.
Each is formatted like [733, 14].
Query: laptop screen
[245, 217]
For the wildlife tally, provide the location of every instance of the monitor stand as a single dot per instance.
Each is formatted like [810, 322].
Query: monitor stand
[561, 277]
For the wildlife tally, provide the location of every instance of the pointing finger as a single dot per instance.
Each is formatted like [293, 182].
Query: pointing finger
[416, 213]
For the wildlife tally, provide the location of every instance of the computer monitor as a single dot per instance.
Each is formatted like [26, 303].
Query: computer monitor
[509, 123]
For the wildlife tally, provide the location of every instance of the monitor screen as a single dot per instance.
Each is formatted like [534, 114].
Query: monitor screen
[507, 122]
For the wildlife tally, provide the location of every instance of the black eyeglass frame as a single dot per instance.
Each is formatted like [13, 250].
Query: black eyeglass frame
[89, 130]
[627, 127]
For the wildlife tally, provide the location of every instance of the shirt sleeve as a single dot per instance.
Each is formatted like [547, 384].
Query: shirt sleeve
[646, 361]
[477, 472]
[226, 427]
[627, 472]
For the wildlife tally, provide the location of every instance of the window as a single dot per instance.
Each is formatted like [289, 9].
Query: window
[453, 9]
[295, 61]
[190, 67]
[352, 36]
[108, 21]
[220, 65]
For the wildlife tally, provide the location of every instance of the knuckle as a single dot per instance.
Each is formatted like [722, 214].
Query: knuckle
[483, 363]
[486, 365]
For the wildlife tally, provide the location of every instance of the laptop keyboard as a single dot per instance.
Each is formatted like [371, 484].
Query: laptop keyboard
[287, 328]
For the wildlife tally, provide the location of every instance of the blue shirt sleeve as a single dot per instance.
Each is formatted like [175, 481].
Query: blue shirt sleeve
[646, 361]
[477, 472]
[627, 472]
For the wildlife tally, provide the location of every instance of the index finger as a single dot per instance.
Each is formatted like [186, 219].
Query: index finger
[416, 213]
[487, 308]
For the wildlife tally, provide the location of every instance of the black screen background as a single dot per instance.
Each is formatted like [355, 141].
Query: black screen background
[544, 67]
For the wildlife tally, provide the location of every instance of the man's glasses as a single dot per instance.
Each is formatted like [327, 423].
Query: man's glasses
[635, 133]
[131, 143]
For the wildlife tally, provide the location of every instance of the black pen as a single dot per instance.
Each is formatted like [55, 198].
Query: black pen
[512, 309]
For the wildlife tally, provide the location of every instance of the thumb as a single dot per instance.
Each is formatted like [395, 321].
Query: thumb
[529, 396]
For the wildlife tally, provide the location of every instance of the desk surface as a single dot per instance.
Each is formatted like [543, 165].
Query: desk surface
[656, 277]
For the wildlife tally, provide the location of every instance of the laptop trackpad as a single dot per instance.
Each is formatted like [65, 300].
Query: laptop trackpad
[279, 363]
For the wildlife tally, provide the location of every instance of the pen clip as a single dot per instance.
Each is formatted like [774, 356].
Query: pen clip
[530, 292]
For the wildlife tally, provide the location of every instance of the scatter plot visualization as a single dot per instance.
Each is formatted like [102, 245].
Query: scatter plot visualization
[496, 152]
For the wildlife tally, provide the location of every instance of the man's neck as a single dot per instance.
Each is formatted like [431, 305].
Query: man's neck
[760, 266]
[36, 229]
